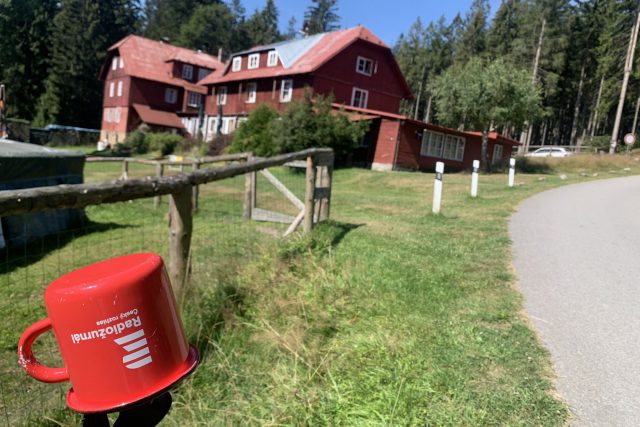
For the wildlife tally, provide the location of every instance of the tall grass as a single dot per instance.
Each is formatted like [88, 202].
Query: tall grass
[386, 315]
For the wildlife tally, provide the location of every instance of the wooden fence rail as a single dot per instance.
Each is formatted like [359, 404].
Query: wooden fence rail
[180, 187]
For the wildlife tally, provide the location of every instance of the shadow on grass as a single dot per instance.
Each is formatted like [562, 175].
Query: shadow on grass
[18, 255]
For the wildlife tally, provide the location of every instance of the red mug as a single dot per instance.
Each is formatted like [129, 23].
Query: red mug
[119, 333]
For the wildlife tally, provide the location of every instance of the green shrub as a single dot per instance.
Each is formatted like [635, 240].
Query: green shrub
[164, 142]
[532, 165]
[305, 124]
[256, 134]
[138, 142]
[601, 142]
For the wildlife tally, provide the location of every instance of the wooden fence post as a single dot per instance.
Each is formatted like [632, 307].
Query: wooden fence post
[125, 169]
[249, 192]
[180, 230]
[309, 195]
[196, 188]
[159, 173]
[326, 176]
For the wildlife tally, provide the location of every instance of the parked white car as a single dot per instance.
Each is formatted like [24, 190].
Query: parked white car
[550, 152]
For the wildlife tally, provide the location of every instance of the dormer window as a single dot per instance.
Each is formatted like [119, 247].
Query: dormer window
[254, 61]
[272, 59]
[364, 66]
[187, 72]
[236, 65]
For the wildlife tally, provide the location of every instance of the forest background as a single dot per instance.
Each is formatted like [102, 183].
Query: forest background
[51, 52]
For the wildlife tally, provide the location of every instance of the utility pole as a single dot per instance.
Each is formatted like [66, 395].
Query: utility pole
[625, 81]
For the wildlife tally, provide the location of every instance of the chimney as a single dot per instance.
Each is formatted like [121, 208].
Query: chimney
[220, 54]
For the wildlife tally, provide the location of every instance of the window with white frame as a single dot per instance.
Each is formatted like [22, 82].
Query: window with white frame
[432, 144]
[453, 148]
[116, 115]
[120, 88]
[359, 98]
[272, 58]
[121, 62]
[112, 89]
[107, 115]
[236, 64]
[193, 99]
[221, 97]
[170, 95]
[364, 66]
[497, 153]
[187, 71]
[254, 61]
[213, 122]
[114, 63]
[286, 90]
[202, 73]
[252, 88]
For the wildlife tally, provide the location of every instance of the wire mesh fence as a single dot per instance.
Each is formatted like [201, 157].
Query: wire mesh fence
[221, 243]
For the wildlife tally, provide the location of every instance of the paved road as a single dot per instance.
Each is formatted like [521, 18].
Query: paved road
[577, 257]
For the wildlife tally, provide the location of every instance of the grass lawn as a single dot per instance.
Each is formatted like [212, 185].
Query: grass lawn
[386, 315]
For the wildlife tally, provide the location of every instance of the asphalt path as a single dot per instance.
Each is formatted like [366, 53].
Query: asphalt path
[577, 257]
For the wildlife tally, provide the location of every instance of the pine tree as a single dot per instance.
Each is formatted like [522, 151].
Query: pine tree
[504, 29]
[472, 41]
[25, 30]
[321, 17]
[292, 29]
[165, 18]
[208, 29]
[83, 30]
[262, 26]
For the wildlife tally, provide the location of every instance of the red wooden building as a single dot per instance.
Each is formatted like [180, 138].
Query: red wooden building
[396, 142]
[352, 64]
[153, 83]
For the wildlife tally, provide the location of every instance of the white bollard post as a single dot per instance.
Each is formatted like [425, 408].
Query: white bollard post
[512, 171]
[437, 187]
[474, 178]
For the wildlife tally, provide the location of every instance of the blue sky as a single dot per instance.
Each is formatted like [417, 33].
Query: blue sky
[386, 18]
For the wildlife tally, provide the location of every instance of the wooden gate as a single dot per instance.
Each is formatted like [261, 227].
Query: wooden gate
[317, 199]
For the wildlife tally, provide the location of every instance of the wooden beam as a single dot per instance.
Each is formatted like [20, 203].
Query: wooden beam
[16, 202]
[271, 216]
[159, 174]
[325, 191]
[282, 189]
[196, 189]
[296, 222]
[249, 194]
[309, 200]
[180, 230]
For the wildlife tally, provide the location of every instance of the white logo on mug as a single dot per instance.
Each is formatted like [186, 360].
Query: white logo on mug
[136, 346]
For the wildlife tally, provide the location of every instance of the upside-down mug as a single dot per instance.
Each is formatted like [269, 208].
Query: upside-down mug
[119, 332]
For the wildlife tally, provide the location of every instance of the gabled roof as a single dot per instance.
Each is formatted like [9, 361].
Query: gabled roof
[152, 60]
[298, 56]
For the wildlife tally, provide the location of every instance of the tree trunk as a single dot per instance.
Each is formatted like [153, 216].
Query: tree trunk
[576, 109]
[625, 81]
[427, 114]
[635, 117]
[595, 114]
[525, 138]
[485, 148]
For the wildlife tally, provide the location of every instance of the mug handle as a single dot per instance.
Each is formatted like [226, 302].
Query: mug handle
[28, 361]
